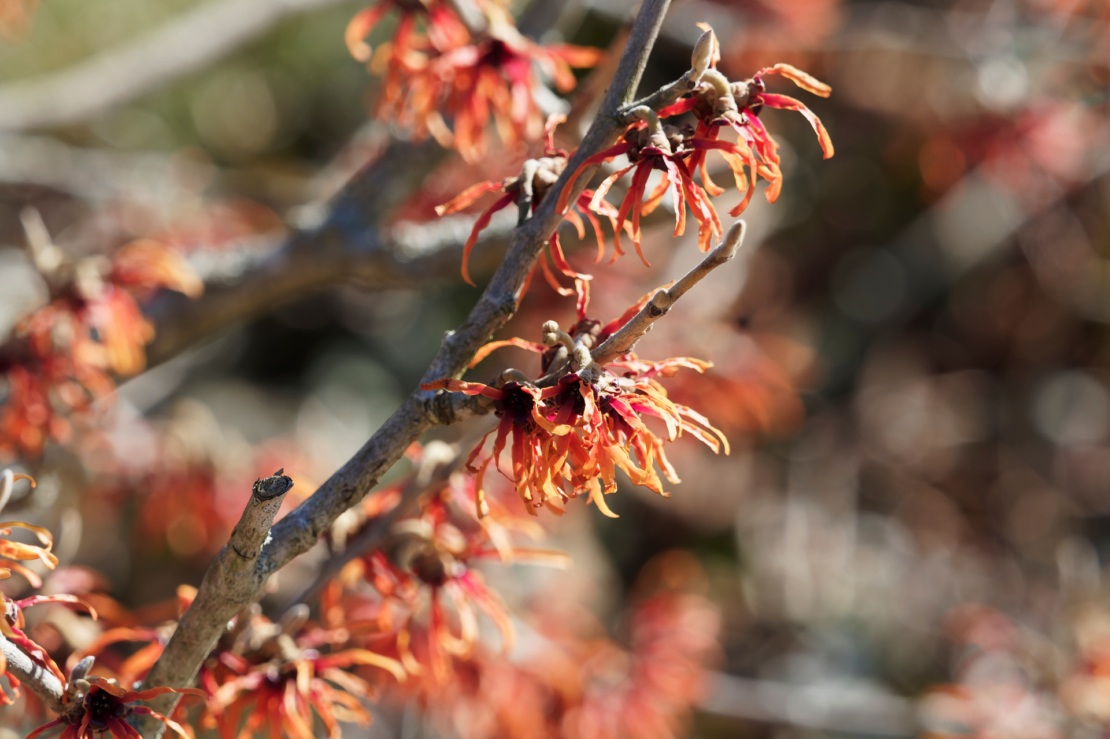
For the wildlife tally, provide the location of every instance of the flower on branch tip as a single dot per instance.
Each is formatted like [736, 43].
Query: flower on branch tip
[572, 429]
[719, 103]
[106, 707]
[678, 152]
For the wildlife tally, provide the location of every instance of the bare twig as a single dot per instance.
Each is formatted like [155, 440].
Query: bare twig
[837, 708]
[623, 341]
[37, 678]
[228, 586]
[188, 42]
[348, 245]
[301, 529]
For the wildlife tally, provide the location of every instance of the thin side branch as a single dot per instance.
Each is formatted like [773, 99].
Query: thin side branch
[228, 586]
[624, 340]
[837, 709]
[422, 410]
[700, 59]
[34, 676]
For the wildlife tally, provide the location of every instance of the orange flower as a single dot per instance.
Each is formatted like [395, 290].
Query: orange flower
[423, 594]
[14, 550]
[573, 683]
[280, 696]
[444, 31]
[433, 556]
[107, 708]
[571, 435]
[492, 79]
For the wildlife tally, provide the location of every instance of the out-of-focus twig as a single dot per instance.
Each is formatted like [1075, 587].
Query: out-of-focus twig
[848, 708]
[188, 42]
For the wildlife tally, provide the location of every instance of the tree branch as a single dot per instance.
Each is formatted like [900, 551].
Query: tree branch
[41, 681]
[349, 245]
[839, 708]
[188, 42]
[228, 586]
[623, 340]
[301, 529]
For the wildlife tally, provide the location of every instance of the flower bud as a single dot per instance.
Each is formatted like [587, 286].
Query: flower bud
[702, 56]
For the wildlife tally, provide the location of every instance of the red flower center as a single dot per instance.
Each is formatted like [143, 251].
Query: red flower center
[101, 707]
[516, 404]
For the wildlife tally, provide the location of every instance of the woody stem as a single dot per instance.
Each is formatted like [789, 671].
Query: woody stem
[624, 340]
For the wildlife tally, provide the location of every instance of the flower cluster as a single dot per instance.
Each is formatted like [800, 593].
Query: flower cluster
[420, 590]
[677, 153]
[262, 677]
[574, 427]
[12, 623]
[472, 77]
[571, 681]
[270, 678]
[63, 356]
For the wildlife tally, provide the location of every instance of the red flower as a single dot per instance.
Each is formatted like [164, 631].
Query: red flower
[94, 327]
[718, 103]
[527, 190]
[679, 152]
[106, 708]
[444, 31]
[651, 146]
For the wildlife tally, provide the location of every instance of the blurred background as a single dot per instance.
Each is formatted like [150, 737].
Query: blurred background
[911, 363]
